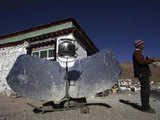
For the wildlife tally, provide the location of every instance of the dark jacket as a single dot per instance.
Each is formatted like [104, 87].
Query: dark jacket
[141, 64]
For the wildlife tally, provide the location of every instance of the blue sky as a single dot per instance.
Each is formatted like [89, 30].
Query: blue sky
[109, 24]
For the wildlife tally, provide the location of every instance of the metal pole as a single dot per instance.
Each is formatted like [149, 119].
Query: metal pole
[67, 86]
[67, 82]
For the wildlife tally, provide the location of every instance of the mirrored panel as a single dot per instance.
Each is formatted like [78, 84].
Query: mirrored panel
[45, 80]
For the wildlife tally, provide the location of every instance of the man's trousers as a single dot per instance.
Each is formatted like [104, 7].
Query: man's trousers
[145, 91]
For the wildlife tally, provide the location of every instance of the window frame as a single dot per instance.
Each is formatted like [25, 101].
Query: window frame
[46, 49]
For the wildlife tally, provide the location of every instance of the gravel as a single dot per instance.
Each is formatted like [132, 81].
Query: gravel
[121, 106]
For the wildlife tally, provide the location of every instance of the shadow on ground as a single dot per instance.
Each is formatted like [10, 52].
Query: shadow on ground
[133, 105]
[99, 104]
[74, 103]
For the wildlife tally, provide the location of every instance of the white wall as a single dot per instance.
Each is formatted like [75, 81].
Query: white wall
[8, 56]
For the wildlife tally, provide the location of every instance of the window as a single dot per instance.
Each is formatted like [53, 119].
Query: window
[51, 53]
[35, 54]
[48, 54]
[43, 54]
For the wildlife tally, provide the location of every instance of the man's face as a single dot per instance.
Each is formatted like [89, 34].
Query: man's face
[141, 47]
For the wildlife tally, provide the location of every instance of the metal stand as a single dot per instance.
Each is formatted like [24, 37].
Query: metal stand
[66, 50]
[67, 96]
[66, 103]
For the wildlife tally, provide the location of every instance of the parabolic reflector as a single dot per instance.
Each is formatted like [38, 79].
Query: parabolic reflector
[45, 80]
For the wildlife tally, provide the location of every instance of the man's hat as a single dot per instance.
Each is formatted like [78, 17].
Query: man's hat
[138, 43]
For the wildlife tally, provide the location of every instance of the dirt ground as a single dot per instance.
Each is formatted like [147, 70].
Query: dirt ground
[122, 106]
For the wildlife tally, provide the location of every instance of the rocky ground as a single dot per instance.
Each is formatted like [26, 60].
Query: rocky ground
[121, 106]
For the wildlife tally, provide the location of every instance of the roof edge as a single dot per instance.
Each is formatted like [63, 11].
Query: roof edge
[39, 27]
[82, 32]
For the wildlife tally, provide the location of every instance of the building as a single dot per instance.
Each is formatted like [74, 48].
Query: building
[41, 41]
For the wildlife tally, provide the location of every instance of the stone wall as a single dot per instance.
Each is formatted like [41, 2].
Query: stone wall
[8, 56]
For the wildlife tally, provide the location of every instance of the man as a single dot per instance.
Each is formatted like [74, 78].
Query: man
[142, 72]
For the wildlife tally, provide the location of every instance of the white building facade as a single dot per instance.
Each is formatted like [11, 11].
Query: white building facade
[41, 41]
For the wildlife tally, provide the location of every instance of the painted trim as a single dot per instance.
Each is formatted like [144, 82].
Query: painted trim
[36, 33]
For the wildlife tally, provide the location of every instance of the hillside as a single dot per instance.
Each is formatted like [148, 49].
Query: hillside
[127, 71]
